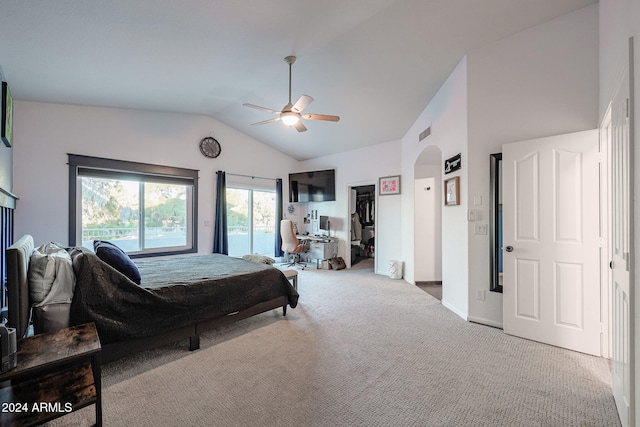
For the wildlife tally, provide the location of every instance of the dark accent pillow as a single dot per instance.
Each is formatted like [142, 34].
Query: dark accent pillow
[117, 258]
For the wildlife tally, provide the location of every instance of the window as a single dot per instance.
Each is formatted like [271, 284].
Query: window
[251, 221]
[144, 209]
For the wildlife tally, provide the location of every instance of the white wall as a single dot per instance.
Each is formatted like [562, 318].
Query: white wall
[45, 133]
[428, 228]
[540, 82]
[619, 20]
[362, 167]
[446, 113]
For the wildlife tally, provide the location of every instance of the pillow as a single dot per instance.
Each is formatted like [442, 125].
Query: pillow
[117, 258]
[51, 276]
[51, 317]
[42, 272]
[260, 259]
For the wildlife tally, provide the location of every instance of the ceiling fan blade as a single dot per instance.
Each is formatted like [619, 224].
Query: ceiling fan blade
[302, 103]
[321, 117]
[275, 119]
[257, 107]
[300, 126]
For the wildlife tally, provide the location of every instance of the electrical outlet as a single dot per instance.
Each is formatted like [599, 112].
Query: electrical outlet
[480, 295]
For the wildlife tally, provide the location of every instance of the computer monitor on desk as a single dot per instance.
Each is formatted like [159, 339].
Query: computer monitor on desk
[325, 224]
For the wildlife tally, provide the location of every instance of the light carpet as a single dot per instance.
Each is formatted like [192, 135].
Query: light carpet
[359, 350]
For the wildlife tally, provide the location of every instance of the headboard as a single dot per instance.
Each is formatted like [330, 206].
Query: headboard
[18, 256]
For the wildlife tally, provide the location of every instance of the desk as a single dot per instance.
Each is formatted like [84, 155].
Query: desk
[321, 248]
[56, 373]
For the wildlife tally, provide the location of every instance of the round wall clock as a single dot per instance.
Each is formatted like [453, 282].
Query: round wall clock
[210, 147]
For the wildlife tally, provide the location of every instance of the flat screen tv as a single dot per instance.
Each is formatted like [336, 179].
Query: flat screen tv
[314, 186]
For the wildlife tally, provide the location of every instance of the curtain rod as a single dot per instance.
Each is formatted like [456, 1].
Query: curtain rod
[251, 176]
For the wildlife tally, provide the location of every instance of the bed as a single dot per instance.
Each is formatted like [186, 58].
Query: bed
[177, 298]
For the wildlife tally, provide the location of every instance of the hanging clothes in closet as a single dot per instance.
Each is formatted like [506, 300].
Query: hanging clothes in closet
[365, 207]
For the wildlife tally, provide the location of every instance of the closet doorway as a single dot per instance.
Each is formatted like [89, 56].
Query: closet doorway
[362, 214]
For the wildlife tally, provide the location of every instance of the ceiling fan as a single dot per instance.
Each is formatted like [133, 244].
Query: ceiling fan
[291, 114]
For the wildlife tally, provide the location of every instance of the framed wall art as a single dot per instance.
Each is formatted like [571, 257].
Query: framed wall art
[6, 133]
[453, 164]
[389, 185]
[452, 191]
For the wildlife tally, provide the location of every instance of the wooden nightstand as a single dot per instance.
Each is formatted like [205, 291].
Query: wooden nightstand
[56, 374]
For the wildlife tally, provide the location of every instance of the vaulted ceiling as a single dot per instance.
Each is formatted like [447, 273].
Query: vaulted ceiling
[375, 63]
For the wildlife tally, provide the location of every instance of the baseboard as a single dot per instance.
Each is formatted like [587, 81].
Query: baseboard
[485, 322]
[454, 309]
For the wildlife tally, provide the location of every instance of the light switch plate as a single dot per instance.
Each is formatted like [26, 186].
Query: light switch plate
[481, 229]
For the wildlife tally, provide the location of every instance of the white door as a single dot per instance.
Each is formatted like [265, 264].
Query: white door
[551, 241]
[622, 258]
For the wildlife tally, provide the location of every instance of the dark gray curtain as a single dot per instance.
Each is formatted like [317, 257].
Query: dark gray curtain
[220, 238]
[278, 246]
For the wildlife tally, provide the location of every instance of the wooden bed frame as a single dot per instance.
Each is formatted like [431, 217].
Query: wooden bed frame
[120, 349]
[18, 256]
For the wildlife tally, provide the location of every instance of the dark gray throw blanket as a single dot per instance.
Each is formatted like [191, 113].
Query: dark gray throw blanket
[174, 293]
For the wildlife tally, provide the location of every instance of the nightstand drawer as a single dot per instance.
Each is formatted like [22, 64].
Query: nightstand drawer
[56, 373]
[41, 399]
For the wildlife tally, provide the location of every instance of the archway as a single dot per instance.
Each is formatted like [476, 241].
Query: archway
[428, 220]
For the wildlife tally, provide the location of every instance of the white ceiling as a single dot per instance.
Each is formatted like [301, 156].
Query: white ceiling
[375, 63]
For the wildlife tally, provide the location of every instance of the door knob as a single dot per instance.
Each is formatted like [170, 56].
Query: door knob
[509, 248]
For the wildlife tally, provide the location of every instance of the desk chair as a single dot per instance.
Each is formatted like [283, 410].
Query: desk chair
[291, 245]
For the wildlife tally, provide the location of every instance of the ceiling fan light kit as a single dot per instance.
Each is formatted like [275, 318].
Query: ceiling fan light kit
[290, 113]
[289, 118]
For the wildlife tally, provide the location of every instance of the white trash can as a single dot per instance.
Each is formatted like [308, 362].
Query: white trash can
[395, 269]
